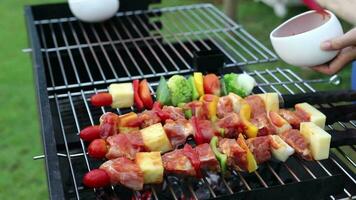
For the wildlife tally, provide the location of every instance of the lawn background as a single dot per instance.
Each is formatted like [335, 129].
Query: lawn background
[20, 176]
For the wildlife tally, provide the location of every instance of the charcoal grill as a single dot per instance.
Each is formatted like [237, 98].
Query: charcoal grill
[73, 60]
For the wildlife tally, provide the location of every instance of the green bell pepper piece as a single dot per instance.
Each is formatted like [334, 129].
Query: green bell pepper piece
[188, 114]
[195, 94]
[162, 93]
[223, 87]
[222, 158]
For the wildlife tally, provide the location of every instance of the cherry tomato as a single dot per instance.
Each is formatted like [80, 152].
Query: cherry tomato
[97, 148]
[211, 84]
[101, 99]
[90, 133]
[96, 178]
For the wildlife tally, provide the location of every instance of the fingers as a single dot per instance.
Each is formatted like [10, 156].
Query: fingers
[348, 39]
[339, 62]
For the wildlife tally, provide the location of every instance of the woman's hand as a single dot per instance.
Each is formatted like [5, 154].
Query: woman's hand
[347, 46]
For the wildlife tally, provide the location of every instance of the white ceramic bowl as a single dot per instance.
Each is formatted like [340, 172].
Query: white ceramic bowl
[93, 10]
[297, 41]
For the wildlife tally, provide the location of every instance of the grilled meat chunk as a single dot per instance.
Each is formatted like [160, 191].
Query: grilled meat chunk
[231, 124]
[126, 145]
[224, 107]
[296, 140]
[125, 172]
[207, 157]
[175, 113]
[292, 118]
[236, 155]
[260, 147]
[148, 118]
[178, 131]
[176, 162]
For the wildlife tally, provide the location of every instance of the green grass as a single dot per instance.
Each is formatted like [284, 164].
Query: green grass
[21, 177]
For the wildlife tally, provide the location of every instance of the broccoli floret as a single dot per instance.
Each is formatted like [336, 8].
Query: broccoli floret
[181, 92]
[232, 85]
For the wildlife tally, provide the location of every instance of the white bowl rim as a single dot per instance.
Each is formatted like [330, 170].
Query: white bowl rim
[304, 33]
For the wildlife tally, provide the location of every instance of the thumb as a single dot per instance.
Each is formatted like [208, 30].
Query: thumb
[349, 39]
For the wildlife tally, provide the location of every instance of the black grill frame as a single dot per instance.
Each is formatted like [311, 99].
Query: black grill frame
[47, 94]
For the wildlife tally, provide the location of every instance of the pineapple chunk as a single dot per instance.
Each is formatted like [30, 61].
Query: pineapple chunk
[271, 101]
[151, 165]
[316, 116]
[122, 95]
[319, 140]
[155, 138]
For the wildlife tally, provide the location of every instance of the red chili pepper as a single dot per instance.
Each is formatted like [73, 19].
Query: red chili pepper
[198, 137]
[137, 99]
[158, 110]
[193, 156]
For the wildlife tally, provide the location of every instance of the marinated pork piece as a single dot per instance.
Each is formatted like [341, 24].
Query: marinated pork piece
[125, 172]
[148, 118]
[124, 145]
[231, 124]
[296, 140]
[224, 107]
[178, 131]
[261, 148]
[198, 108]
[205, 128]
[259, 116]
[108, 124]
[175, 113]
[236, 155]
[176, 162]
[292, 118]
[257, 105]
[263, 124]
[207, 157]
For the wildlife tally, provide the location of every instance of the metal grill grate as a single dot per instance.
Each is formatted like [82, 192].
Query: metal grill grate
[82, 59]
[141, 44]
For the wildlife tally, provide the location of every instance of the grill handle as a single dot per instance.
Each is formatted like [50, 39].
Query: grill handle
[341, 138]
[289, 100]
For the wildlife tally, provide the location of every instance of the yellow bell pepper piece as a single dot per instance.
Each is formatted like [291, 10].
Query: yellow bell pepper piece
[212, 103]
[245, 114]
[251, 161]
[198, 80]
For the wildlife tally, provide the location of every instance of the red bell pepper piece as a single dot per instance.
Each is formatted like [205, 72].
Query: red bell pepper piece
[145, 94]
[158, 110]
[193, 156]
[137, 99]
[198, 136]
